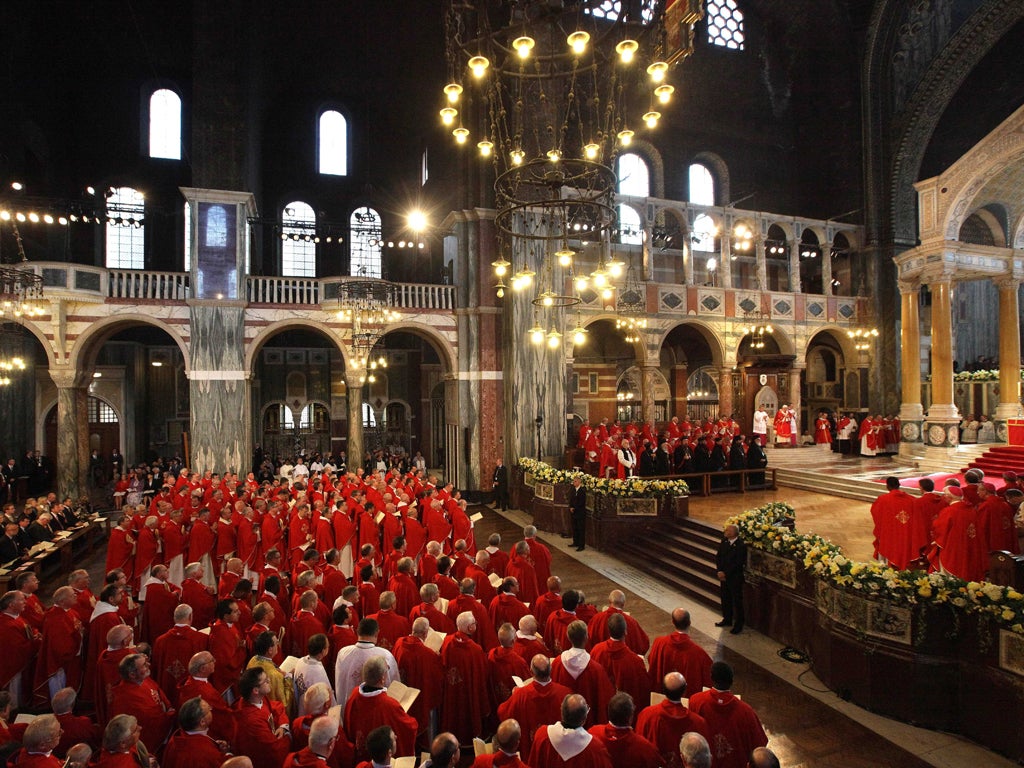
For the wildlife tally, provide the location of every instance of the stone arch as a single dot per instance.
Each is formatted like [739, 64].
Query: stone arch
[719, 170]
[991, 222]
[254, 346]
[841, 337]
[714, 341]
[444, 348]
[1017, 232]
[1003, 148]
[783, 340]
[655, 165]
[49, 406]
[639, 347]
[45, 343]
[99, 332]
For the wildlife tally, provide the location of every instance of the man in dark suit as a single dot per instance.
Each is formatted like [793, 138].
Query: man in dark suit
[500, 486]
[41, 529]
[578, 509]
[10, 547]
[730, 560]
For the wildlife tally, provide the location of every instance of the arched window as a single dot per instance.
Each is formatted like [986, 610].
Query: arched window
[369, 417]
[725, 24]
[165, 124]
[333, 143]
[298, 251]
[634, 180]
[126, 238]
[702, 185]
[365, 235]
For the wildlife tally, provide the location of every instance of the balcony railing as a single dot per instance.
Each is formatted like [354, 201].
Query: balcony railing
[143, 284]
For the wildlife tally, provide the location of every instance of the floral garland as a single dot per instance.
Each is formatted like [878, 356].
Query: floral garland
[634, 487]
[761, 528]
[988, 375]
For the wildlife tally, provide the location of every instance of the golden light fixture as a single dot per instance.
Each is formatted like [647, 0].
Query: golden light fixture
[627, 50]
[523, 46]
[453, 91]
[485, 147]
[448, 115]
[658, 71]
[652, 118]
[625, 137]
[461, 134]
[664, 93]
[591, 150]
[578, 41]
[478, 66]
[564, 255]
[862, 338]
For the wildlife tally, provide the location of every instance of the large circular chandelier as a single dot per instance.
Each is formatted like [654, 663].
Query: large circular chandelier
[550, 93]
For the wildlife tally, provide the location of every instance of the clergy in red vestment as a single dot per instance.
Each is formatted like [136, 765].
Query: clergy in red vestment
[959, 535]
[195, 592]
[139, 695]
[59, 664]
[678, 653]
[197, 683]
[75, 729]
[484, 634]
[21, 644]
[625, 746]
[340, 635]
[264, 619]
[304, 624]
[567, 742]
[247, 541]
[626, 669]
[421, 668]
[733, 727]
[439, 622]
[556, 626]
[104, 617]
[234, 570]
[540, 555]
[28, 584]
[261, 725]
[506, 607]
[226, 531]
[415, 534]
[528, 641]
[147, 552]
[664, 724]
[271, 595]
[173, 650]
[465, 705]
[507, 741]
[120, 643]
[121, 548]
[928, 506]
[192, 746]
[547, 603]
[369, 706]
[575, 669]
[320, 744]
[783, 425]
[478, 571]
[162, 598]
[392, 624]
[446, 585]
[597, 627]
[438, 527]
[896, 532]
[227, 644]
[404, 586]
[499, 560]
[334, 580]
[503, 663]
[201, 544]
[520, 567]
[997, 517]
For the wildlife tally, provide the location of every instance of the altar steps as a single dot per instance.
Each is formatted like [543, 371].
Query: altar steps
[999, 459]
[680, 554]
[859, 489]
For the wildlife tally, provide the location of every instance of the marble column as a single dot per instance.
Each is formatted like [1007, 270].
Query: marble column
[688, 261]
[794, 265]
[220, 426]
[911, 411]
[826, 268]
[762, 265]
[724, 392]
[1009, 350]
[648, 373]
[72, 434]
[354, 400]
[794, 401]
[725, 258]
[680, 374]
[943, 416]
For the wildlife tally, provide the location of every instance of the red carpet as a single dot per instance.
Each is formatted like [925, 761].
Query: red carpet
[999, 459]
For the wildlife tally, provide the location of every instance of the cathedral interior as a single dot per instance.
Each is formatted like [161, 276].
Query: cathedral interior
[249, 225]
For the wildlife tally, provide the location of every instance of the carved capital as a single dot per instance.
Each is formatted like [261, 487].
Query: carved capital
[908, 286]
[1007, 283]
[67, 378]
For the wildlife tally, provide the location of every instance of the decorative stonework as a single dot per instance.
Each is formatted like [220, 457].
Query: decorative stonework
[781, 570]
[545, 491]
[890, 622]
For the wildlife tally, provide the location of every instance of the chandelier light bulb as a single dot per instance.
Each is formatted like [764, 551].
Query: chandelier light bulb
[554, 155]
[461, 134]
[564, 257]
[5, 215]
[600, 279]
[448, 115]
[485, 148]
[478, 66]
[615, 268]
[657, 71]
[501, 292]
[537, 335]
[453, 91]
[626, 50]
[625, 137]
[523, 46]
[606, 294]
[590, 151]
[664, 93]
[651, 118]
[517, 156]
[547, 299]
[581, 283]
[20, 216]
[500, 267]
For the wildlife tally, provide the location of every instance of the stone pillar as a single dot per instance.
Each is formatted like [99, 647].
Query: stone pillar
[794, 401]
[354, 399]
[724, 392]
[1009, 352]
[680, 373]
[688, 260]
[794, 265]
[943, 417]
[911, 412]
[72, 433]
[647, 392]
[725, 258]
[762, 265]
[826, 268]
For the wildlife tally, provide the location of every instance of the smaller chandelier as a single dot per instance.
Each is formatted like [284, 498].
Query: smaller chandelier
[862, 338]
[758, 330]
[368, 305]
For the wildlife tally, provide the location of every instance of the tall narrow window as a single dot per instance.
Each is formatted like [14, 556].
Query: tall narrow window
[216, 227]
[333, 143]
[725, 24]
[126, 238]
[702, 192]
[365, 239]
[165, 125]
[188, 236]
[634, 180]
[298, 251]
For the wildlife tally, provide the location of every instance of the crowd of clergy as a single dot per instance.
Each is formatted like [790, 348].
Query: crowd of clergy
[346, 621]
[953, 529]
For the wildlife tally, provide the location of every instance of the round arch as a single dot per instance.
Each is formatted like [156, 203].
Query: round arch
[839, 335]
[1017, 232]
[655, 164]
[639, 351]
[714, 341]
[434, 337]
[99, 332]
[45, 343]
[719, 171]
[265, 334]
[50, 407]
[995, 156]
[991, 222]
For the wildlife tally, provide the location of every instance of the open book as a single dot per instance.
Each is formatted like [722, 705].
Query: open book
[434, 640]
[403, 694]
[657, 698]
[518, 681]
[481, 747]
[288, 665]
[476, 518]
[495, 580]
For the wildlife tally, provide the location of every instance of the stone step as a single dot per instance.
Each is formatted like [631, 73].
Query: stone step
[847, 488]
[684, 579]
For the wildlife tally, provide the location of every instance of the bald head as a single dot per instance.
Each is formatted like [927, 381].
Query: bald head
[540, 666]
[508, 736]
[617, 598]
[681, 619]
[574, 711]
[674, 685]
